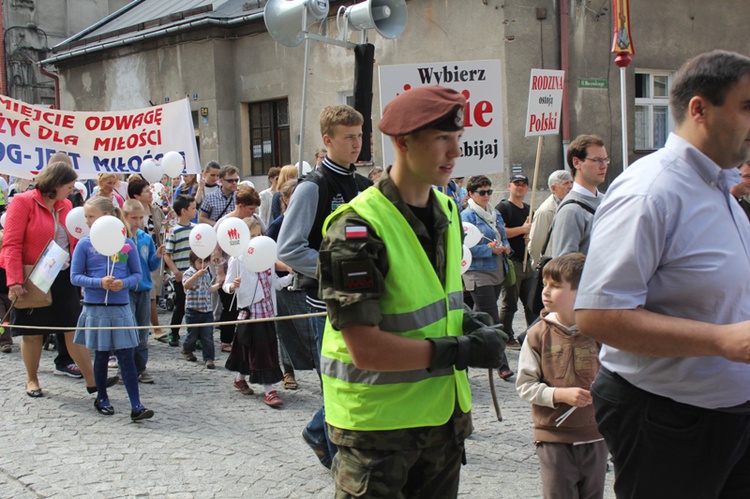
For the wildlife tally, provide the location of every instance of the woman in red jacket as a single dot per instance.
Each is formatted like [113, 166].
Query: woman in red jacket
[34, 219]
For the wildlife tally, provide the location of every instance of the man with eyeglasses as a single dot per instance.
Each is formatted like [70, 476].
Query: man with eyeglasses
[220, 202]
[742, 189]
[571, 229]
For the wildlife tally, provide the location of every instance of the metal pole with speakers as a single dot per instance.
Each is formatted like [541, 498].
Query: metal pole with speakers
[289, 22]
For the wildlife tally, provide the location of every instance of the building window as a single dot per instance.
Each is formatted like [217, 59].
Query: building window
[269, 135]
[652, 120]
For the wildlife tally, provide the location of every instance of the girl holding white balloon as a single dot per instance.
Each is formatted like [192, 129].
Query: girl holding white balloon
[246, 203]
[106, 265]
[255, 352]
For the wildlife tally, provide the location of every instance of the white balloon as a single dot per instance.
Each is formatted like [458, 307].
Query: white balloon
[2, 219]
[172, 163]
[108, 235]
[151, 171]
[202, 240]
[465, 259]
[75, 222]
[260, 254]
[472, 234]
[233, 236]
[81, 187]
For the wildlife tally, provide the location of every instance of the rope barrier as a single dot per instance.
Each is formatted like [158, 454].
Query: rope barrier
[166, 326]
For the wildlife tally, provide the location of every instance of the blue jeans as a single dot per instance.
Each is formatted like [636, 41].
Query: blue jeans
[205, 333]
[317, 428]
[140, 304]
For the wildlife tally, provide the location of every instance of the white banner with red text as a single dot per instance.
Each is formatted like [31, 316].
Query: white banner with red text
[481, 83]
[545, 101]
[97, 142]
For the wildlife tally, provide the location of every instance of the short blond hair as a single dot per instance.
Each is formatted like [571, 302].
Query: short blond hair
[132, 205]
[339, 115]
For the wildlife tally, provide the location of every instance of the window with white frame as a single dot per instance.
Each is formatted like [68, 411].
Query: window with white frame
[652, 120]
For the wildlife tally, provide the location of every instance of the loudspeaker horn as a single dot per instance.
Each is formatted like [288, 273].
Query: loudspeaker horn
[284, 18]
[388, 17]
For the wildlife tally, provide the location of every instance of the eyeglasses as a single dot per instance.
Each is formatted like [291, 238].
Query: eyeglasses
[485, 192]
[599, 160]
[232, 180]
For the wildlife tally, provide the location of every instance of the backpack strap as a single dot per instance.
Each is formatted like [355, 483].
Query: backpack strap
[565, 203]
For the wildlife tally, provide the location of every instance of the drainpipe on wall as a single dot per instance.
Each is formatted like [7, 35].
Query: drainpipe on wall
[565, 67]
[3, 77]
[56, 79]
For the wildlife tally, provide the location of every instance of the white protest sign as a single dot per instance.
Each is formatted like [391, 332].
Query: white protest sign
[545, 100]
[480, 82]
[97, 142]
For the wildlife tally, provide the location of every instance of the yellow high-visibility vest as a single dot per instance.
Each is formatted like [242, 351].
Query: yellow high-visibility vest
[418, 307]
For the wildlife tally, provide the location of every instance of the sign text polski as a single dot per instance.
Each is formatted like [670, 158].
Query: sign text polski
[545, 99]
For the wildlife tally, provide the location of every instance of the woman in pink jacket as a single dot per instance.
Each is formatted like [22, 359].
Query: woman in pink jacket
[34, 219]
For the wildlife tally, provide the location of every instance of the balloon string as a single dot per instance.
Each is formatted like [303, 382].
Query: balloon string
[234, 295]
[106, 270]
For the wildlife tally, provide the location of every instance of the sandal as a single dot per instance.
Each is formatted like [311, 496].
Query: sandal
[104, 407]
[289, 382]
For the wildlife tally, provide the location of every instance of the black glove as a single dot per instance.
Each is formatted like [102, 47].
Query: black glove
[474, 320]
[481, 348]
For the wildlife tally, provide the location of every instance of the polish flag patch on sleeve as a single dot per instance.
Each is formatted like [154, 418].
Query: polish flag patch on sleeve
[356, 232]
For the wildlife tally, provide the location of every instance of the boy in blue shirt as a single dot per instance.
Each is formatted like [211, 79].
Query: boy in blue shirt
[140, 299]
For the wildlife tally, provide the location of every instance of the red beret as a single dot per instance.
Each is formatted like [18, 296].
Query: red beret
[423, 107]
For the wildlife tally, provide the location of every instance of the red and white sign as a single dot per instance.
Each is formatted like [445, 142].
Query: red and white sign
[97, 142]
[481, 84]
[545, 100]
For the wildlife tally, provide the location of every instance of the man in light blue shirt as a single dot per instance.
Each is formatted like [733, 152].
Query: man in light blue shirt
[666, 289]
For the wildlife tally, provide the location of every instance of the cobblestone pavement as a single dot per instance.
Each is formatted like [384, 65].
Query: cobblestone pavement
[208, 440]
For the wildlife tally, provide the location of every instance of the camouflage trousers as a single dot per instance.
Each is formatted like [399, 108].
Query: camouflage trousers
[429, 472]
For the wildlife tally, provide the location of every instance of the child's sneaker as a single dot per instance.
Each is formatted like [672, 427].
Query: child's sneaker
[272, 399]
[145, 377]
[210, 364]
[243, 387]
[174, 340]
[112, 363]
[188, 356]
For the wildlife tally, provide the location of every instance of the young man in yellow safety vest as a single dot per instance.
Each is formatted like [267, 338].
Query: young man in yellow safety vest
[394, 352]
